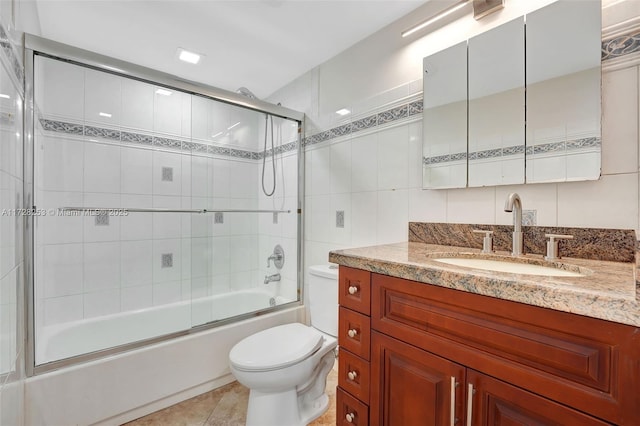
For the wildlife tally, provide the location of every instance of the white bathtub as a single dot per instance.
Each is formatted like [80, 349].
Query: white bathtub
[122, 387]
[69, 339]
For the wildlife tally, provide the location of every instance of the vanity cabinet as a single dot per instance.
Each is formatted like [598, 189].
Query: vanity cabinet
[441, 356]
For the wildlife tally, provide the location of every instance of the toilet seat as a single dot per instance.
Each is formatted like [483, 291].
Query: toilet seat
[276, 348]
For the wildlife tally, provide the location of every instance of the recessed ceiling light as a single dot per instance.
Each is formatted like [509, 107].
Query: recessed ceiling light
[186, 56]
[3, 96]
[343, 111]
[163, 92]
[231, 127]
[105, 114]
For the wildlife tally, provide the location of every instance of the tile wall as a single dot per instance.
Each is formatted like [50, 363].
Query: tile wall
[152, 151]
[11, 240]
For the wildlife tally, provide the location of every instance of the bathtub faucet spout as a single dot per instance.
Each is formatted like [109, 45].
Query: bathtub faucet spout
[269, 278]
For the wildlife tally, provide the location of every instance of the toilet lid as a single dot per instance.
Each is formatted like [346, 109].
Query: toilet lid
[276, 347]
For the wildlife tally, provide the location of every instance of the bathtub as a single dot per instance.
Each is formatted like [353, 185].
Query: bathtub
[69, 339]
[127, 385]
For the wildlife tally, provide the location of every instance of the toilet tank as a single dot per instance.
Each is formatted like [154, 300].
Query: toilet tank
[323, 298]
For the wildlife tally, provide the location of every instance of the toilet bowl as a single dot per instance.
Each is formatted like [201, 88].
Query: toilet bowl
[286, 367]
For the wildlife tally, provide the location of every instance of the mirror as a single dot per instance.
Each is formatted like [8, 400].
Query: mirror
[444, 155]
[563, 64]
[496, 106]
[559, 138]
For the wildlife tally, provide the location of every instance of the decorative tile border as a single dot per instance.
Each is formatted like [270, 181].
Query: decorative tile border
[620, 46]
[11, 54]
[156, 141]
[564, 146]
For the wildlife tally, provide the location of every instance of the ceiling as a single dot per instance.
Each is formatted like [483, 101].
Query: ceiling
[262, 44]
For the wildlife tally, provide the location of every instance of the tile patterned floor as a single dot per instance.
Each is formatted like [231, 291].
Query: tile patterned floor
[225, 406]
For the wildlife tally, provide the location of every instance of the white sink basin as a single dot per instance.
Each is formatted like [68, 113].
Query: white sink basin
[509, 267]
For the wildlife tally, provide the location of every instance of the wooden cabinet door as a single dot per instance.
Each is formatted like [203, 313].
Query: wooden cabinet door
[493, 402]
[410, 386]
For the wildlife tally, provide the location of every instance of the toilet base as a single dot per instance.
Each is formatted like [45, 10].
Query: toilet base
[294, 407]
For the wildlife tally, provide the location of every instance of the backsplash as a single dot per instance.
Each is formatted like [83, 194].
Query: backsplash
[616, 245]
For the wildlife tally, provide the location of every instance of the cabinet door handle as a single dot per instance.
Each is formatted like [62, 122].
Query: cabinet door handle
[352, 332]
[350, 417]
[352, 375]
[470, 392]
[452, 414]
[353, 289]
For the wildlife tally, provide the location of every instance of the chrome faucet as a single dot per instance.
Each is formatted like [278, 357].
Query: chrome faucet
[514, 204]
[269, 278]
[277, 256]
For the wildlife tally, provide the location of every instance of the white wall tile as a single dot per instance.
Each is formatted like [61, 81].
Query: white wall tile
[167, 160]
[393, 216]
[415, 155]
[393, 158]
[606, 203]
[133, 298]
[242, 179]
[168, 113]
[63, 270]
[221, 177]
[63, 164]
[201, 255]
[136, 265]
[101, 303]
[364, 220]
[620, 121]
[472, 205]
[63, 309]
[101, 168]
[321, 170]
[167, 225]
[167, 292]
[340, 172]
[364, 163]
[101, 263]
[57, 228]
[427, 205]
[93, 230]
[201, 186]
[137, 105]
[136, 171]
[319, 217]
[62, 91]
[102, 98]
[136, 226]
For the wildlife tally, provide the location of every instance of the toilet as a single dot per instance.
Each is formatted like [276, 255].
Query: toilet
[286, 367]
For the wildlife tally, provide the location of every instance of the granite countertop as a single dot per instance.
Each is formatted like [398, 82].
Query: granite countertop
[607, 290]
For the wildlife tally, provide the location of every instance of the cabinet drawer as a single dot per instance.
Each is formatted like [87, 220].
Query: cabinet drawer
[354, 332]
[355, 289]
[350, 411]
[354, 375]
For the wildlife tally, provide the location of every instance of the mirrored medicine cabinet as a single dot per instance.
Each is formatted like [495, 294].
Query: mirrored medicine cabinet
[520, 103]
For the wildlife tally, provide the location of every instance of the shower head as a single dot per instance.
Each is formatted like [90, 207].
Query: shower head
[246, 92]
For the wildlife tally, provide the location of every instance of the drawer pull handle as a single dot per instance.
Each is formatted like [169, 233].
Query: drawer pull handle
[352, 333]
[350, 417]
[353, 289]
[352, 375]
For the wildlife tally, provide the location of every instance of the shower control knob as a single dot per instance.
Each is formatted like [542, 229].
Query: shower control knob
[352, 333]
[353, 289]
[352, 375]
[350, 417]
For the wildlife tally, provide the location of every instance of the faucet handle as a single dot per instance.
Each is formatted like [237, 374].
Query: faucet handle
[487, 241]
[552, 245]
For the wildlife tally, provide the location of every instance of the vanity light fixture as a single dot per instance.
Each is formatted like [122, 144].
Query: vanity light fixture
[105, 114]
[343, 111]
[446, 12]
[186, 56]
[163, 92]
